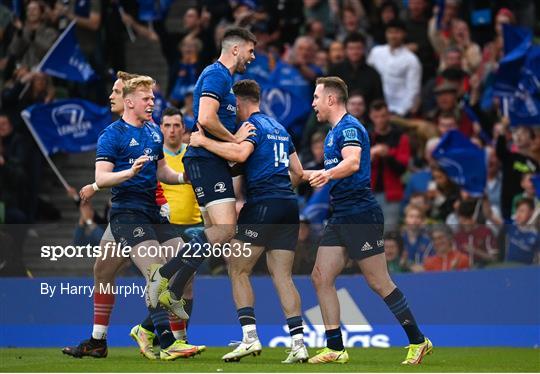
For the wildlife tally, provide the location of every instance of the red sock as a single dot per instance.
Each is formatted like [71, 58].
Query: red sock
[103, 305]
[178, 327]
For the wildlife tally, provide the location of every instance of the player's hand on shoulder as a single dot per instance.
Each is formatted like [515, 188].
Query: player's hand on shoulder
[138, 164]
[245, 131]
[87, 192]
[319, 178]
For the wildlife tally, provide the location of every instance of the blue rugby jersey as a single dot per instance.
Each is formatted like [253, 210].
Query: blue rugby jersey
[267, 169]
[121, 144]
[353, 194]
[216, 82]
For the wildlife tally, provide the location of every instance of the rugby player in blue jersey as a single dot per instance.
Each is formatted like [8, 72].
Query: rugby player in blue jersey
[214, 109]
[268, 220]
[129, 158]
[355, 228]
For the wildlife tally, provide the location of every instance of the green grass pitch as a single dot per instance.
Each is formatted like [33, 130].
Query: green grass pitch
[362, 360]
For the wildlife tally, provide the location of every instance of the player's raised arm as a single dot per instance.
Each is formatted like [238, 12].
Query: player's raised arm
[106, 177]
[227, 150]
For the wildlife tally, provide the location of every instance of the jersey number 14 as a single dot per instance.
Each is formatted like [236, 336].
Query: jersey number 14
[280, 156]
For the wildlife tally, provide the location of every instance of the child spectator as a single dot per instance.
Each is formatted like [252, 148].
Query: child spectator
[523, 241]
[446, 257]
[393, 249]
[416, 244]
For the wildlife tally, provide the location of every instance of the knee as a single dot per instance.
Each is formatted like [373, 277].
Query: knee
[381, 287]
[319, 278]
[238, 271]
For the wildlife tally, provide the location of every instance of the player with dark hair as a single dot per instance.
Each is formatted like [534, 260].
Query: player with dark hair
[355, 228]
[215, 111]
[268, 220]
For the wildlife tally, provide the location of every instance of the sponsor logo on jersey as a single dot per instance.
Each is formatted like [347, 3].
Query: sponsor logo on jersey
[138, 232]
[133, 143]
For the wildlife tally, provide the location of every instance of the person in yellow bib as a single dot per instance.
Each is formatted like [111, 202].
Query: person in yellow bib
[184, 209]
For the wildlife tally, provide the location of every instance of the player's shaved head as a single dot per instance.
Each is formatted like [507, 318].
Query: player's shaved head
[141, 81]
[235, 35]
[335, 85]
[247, 89]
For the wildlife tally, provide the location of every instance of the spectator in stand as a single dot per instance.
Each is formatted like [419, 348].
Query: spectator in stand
[418, 39]
[529, 192]
[352, 18]
[442, 193]
[184, 73]
[315, 29]
[386, 13]
[323, 11]
[446, 257]
[41, 91]
[390, 154]
[461, 38]
[494, 51]
[439, 27]
[522, 238]
[393, 249]
[356, 106]
[446, 122]
[355, 72]
[447, 102]
[336, 53]
[32, 39]
[419, 180]
[321, 60]
[514, 163]
[14, 181]
[416, 243]
[400, 70]
[474, 239]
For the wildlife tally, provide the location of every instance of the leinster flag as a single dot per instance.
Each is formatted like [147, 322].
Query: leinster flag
[536, 183]
[65, 59]
[70, 126]
[463, 162]
[517, 80]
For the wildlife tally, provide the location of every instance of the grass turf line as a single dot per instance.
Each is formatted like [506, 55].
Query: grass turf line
[362, 360]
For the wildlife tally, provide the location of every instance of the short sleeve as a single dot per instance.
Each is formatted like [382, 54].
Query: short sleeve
[215, 85]
[258, 137]
[349, 136]
[292, 148]
[107, 146]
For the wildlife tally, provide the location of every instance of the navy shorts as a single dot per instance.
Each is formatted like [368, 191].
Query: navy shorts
[211, 180]
[131, 227]
[271, 223]
[361, 233]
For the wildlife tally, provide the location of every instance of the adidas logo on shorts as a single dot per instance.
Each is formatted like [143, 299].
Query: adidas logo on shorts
[133, 143]
[366, 247]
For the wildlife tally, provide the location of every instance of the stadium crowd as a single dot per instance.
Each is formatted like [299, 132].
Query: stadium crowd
[415, 70]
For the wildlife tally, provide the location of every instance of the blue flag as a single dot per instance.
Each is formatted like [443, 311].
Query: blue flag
[463, 162]
[287, 97]
[517, 80]
[536, 183]
[160, 103]
[70, 126]
[65, 59]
